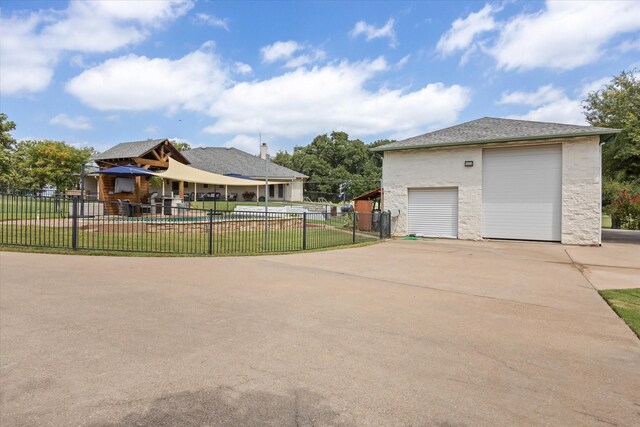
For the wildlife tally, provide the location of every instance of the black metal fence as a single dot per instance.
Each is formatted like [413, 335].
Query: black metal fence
[73, 223]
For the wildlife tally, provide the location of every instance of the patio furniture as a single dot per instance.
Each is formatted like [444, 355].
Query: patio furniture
[232, 197]
[125, 208]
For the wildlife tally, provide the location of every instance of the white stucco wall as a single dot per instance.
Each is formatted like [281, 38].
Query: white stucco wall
[433, 168]
[444, 167]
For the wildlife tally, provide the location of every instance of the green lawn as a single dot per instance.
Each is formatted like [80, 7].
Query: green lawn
[626, 303]
[182, 240]
[32, 207]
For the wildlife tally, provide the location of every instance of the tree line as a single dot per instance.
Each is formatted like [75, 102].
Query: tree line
[338, 167]
[617, 105]
[33, 165]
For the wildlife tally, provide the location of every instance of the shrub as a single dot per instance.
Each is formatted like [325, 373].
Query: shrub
[622, 202]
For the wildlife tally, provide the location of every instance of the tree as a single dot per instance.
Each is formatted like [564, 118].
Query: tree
[618, 106]
[7, 145]
[42, 163]
[334, 162]
[181, 146]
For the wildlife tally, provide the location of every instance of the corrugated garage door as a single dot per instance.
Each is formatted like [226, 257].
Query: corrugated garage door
[433, 212]
[522, 193]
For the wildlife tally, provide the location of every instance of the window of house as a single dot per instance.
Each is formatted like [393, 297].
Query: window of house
[281, 191]
[186, 184]
[272, 190]
[205, 185]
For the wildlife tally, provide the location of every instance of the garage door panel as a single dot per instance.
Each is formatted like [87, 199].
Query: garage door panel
[522, 193]
[433, 212]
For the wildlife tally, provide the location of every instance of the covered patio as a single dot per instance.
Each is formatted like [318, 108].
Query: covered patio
[118, 182]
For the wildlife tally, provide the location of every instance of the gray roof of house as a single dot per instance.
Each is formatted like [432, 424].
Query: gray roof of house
[224, 161]
[129, 149]
[490, 130]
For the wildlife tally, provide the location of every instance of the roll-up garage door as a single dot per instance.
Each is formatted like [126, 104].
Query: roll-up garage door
[522, 193]
[433, 212]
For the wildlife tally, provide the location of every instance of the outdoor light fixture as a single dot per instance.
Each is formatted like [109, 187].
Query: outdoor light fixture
[468, 163]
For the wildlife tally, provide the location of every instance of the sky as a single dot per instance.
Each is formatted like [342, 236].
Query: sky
[216, 73]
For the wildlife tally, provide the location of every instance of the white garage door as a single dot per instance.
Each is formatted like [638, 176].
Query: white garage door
[433, 212]
[522, 193]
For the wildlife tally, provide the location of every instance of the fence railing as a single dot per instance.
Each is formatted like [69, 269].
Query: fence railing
[73, 223]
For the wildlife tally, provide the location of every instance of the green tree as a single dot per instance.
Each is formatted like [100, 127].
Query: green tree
[7, 145]
[181, 146]
[42, 163]
[618, 106]
[333, 161]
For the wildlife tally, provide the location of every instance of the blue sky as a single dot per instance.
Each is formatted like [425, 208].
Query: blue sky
[221, 73]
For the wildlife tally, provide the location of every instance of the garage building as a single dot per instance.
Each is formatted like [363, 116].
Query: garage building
[498, 179]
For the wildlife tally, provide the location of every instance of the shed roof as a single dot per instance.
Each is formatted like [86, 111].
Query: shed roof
[226, 161]
[493, 130]
[130, 150]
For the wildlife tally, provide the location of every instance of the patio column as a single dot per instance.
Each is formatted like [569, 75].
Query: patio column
[257, 194]
[195, 193]
[226, 197]
[181, 189]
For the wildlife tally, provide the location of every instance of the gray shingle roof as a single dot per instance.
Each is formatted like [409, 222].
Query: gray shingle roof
[129, 149]
[224, 161]
[489, 130]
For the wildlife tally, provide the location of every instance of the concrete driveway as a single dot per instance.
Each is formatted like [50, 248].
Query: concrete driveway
[399, 333]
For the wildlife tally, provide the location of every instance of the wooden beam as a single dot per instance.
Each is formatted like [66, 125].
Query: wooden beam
[181, 189]
[155, 154]
[140, 162]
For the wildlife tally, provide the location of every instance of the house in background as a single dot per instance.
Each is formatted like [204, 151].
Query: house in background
[500, 179]
[154, 155]
[234, 162]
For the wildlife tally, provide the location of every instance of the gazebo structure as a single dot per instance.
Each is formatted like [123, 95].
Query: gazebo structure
[126, 170]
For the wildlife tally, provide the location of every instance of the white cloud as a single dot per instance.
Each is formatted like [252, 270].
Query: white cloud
[371, 32]
[565, 35]
[136, 83]
[543, 95]
[463, 31]
[31, 45]
[242, 68]
[77, 122]
[562, 35]
[304, 102]
[593, 86]
[286, 51]
[629, 45]
[564, 110]
[212, 21]
[247, 143]
[279, 51]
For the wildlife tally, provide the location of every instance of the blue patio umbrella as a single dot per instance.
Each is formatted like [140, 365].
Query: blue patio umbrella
[128, 170]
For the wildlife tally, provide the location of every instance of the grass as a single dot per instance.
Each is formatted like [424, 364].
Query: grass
[606, 221]
[180, 240]
[32, 208]
[626, 304]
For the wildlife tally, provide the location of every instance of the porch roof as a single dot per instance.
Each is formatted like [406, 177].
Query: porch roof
[180, 172]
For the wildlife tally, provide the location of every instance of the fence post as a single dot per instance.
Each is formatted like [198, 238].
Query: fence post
[381, 224]
[354, 226]
[389, 224]
[210, 231]
[304, 231]
[74, 224]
